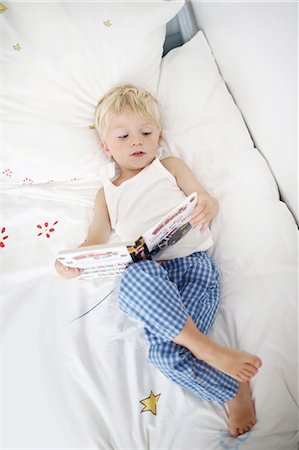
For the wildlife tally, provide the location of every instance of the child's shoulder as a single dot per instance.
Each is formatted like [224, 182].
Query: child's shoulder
[171, 163]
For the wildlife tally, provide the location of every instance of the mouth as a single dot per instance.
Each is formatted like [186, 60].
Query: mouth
[138, 154]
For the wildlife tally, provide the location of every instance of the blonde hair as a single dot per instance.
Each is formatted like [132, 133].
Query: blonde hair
[126, 96]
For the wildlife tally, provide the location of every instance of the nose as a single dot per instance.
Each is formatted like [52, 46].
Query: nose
[136, 140]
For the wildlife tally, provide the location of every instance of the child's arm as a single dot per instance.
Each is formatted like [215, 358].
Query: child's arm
[207, 206]
[100, 228]
[99, 232]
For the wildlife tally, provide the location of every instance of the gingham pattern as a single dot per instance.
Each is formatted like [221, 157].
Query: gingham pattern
[162, 295]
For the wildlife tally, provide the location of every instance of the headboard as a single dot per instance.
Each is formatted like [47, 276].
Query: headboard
[180, 29]
[255, 47]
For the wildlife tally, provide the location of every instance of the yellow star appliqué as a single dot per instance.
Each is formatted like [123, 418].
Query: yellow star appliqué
[107, 23]
[3, 8]
[150, 403]
[17, 47]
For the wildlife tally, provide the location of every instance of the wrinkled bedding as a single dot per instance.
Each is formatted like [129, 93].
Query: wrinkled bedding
[86, 383]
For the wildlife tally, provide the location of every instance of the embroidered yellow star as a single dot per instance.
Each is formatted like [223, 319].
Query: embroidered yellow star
[150, 403]
[92, 127]
[2, 8]
[17, 47]
[107, 23]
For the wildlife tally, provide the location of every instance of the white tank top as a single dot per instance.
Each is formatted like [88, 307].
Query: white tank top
[141, 201]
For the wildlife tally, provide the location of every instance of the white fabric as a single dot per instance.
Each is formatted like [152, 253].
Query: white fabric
[137, 204]
[79, 384]
[68, 55]
[203, 125]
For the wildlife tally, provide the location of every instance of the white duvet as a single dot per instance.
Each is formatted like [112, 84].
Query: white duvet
[79, 384]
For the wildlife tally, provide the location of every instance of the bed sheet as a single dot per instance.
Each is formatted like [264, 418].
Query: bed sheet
[80, 384]
[86, 383]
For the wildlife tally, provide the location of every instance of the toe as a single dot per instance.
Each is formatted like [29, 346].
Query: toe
[257, 362]
[249, 371]
[244, 377]
[252, 370]
[239, 377]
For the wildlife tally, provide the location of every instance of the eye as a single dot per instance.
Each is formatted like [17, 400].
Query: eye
[123, 137]
[146, 133]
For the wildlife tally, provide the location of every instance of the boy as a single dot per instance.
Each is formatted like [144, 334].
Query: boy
[176, 295]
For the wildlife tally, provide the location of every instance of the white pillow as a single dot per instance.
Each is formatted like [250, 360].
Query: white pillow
[59, 58]
[203, 125]
[205, 128]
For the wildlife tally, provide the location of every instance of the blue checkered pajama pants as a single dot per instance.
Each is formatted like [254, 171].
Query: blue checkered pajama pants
[162, 296]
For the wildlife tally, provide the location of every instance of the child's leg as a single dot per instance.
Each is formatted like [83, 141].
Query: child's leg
[197, 280]
[180, 366]
[238, 364]
[148, 294]
[177, 301]
[240, 405]
[241, 411]
[199, 288]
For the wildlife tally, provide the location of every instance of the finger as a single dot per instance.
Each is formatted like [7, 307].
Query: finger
[73, 272]
[197, 216]
[201, 219]
[204, 227]
[203, 212]
[198, 210]
[58, 264]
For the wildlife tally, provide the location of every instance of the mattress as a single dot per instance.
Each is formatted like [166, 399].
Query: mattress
[86, 383]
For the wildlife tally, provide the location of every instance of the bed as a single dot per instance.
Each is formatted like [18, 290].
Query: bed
[86, 383]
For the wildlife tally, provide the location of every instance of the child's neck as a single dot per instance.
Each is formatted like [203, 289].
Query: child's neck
[126, 175]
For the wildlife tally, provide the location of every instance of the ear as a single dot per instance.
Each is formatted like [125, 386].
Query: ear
[160, 137]
[105, 149]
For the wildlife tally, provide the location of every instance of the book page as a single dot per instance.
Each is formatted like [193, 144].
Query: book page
[102, 262]
[176, 221]
[110, 260]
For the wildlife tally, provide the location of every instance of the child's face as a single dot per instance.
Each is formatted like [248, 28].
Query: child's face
[131, 140]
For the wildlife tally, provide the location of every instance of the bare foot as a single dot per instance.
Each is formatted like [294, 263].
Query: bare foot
[241, 411]
[238, 364]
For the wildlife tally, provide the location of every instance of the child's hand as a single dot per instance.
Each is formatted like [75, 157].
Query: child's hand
[67, 272]
[205, 211]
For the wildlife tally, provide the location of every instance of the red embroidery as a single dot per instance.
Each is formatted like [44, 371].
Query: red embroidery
[7, 172]
[3, 237]
[46, 225]
[28, 181]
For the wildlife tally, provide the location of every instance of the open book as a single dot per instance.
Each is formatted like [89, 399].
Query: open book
[105, 260]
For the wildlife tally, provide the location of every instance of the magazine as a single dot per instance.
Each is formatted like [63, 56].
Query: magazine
[105, 260]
